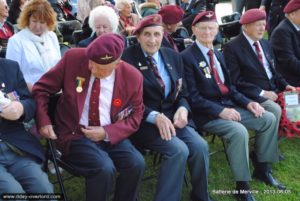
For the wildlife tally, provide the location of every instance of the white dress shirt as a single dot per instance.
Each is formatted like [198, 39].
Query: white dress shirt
[105, 99]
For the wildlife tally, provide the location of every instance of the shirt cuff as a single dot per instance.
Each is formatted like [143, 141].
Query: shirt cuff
[151, 118]
[262, 93]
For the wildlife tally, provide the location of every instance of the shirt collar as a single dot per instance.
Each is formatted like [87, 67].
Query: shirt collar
[108, 78]
[249, 39]
[202, 47]
[155, 56]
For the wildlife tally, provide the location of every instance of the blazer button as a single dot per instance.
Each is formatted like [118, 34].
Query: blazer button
[73, 133]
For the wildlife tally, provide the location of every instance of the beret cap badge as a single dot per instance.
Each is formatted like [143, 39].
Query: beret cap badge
[106, 57]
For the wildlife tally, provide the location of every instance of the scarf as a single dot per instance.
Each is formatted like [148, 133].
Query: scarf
[42, 47]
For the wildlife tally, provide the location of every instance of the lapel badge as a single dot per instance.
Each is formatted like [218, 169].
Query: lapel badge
[202, 64]
[79, 84]
[143, 67]
[169, 66]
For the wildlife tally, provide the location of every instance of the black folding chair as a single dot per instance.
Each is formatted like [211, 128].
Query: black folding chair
[55, 156]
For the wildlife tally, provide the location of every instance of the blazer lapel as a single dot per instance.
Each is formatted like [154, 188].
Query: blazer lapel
[252, 55]
[85, 75]
[145, 68]
[268, 56]
[169, 65]
[199, 58]
[117, 93]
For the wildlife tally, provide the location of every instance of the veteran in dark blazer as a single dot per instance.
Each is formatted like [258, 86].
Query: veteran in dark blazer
[100, 106]
[251, 63]
[285, 42]
[166, 126]
[21, 155]
[220, 109]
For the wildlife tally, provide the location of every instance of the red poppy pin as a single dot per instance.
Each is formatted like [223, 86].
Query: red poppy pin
[117, 102]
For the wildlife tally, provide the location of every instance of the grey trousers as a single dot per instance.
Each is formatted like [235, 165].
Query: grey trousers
[236, 136]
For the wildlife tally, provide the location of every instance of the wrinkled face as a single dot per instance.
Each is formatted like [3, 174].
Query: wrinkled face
[3, 9]
[37, 26]
[295, 17]
[102, 70]
[150, 39]
[255, 30]
[126, 11]
[102, 25]
[205, 32]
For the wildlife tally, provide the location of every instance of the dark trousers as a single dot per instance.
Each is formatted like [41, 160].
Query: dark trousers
[99, 163]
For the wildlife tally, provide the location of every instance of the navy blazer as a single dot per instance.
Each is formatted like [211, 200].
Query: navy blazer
[246, 71]
[285, 41]
[153, 97]
[206, 99]
[13, 132]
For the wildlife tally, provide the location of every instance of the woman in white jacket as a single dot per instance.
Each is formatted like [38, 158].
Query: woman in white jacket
[35, 47]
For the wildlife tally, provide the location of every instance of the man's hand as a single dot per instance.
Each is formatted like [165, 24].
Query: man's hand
[256, 109]
[290, 88]
[180, 118]
[12, 111]
[48, 132]
[230, 114]
[271, 95]
[94, 133]
[165, 127]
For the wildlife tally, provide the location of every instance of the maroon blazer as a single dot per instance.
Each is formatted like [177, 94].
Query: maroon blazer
[127, 101]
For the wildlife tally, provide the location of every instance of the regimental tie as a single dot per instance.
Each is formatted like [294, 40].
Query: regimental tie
[156, 73]
[258, 52]
[94, 104]
[223, 88]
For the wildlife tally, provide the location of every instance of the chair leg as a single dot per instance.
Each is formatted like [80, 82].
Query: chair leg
[224, 146]
[58, 175]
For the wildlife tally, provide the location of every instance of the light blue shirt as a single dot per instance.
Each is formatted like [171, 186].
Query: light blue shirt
[166, 79]
[205, 50]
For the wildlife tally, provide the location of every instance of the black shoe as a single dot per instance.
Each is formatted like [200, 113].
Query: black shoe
[268, 178]
[244, 196]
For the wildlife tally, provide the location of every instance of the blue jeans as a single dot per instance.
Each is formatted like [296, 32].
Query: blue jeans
[21, 174]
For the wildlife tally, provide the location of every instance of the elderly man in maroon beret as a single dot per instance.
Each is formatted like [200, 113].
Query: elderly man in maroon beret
[167, 127]
[223, 110]
[285, 42]
[251, 65]
[100, 106]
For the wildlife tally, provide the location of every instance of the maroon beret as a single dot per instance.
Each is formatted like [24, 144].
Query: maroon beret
[292, 6]
[253, 15]
[171, 14]
[148, 21]
[106, 48]
[205, 16]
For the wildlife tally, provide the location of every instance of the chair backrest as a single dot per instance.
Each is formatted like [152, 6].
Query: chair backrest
[63, 48]
[77, 36]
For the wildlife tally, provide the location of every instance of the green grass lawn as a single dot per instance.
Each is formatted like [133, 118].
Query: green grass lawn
[221, 182]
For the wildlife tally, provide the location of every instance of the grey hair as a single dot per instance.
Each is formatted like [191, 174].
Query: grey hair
[121, 3]
[106, 12]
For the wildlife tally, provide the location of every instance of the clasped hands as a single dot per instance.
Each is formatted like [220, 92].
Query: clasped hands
[94, 133]
[166, 128]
